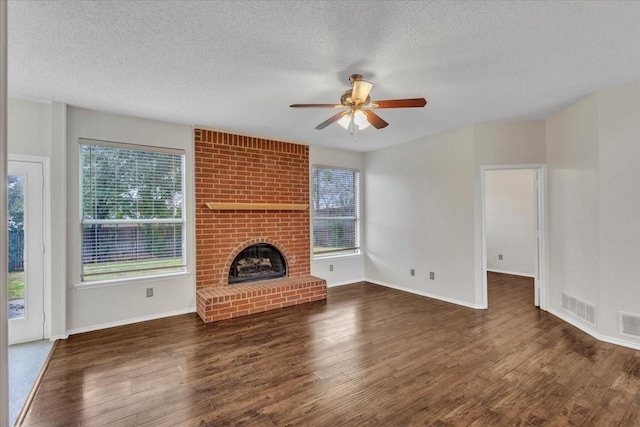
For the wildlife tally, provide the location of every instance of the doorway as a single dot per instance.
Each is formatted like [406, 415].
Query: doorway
[520, 247]
[25, 193]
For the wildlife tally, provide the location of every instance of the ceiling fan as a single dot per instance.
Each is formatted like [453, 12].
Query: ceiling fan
[358, 104]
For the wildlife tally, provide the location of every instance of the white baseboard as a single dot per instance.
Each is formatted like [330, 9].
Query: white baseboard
[347, 282]
[427, 294]
[513, 273]
[130, 321]
[589, 330]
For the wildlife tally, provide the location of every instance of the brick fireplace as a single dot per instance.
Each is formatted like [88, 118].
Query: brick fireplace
[251, 191]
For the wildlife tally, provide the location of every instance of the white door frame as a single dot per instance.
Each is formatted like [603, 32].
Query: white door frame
[46, 221]
[540, 219]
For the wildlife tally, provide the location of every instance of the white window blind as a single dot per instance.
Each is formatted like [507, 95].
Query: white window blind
[132, 212]
[335, 211]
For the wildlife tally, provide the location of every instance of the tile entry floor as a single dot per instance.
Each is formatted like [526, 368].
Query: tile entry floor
[25, 362]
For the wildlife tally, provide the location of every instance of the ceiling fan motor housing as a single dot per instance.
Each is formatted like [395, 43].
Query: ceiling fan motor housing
[348, 101]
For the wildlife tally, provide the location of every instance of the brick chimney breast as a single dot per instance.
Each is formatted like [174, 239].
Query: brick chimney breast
[241, 169]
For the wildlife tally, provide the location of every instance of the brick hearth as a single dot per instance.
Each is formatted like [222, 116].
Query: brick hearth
[225, 302]
[239, 169]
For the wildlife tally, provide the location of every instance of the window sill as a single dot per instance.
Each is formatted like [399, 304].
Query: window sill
[330, 257]
[129, 281]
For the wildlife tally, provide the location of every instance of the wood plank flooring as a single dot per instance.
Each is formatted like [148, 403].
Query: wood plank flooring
[367, 356]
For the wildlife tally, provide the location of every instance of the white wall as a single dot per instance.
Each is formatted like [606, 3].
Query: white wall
[419, 199]
[594, 208]
[96, 307]
[346, 269]
[510, 143]
[510, 226]
[573, 213]
[619, 213]
[29, 130]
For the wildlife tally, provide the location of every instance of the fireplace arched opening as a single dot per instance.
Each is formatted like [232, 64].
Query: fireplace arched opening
[260, 261]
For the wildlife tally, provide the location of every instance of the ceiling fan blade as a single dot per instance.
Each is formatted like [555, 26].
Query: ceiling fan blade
[399, 103]
[316, 105]
[330, 120]
[361, 89]
[375, 120]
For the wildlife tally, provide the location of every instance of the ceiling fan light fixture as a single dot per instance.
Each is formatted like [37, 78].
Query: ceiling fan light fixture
[345, 120]
[361, 120]
[358, 118]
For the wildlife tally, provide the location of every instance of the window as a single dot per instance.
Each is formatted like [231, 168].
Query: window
[132, 211]
[335, 211]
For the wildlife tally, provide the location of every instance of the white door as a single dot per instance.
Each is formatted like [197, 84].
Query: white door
[26, 252]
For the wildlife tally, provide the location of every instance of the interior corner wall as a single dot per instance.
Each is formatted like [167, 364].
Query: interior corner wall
[510, 221]
[573, 203]
[619, 206]
[346, 269]
[58, 210]
[92, 308]
[419, 200]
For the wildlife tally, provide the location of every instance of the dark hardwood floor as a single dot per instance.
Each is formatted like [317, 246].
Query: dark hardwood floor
[368, 356]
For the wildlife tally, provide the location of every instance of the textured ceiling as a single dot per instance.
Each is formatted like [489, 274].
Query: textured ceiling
[237, 65]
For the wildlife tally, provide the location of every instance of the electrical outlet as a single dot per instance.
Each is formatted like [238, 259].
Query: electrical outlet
[149, 292]
[432, 275]
[330, 267]
[413, 271]
[500, 257]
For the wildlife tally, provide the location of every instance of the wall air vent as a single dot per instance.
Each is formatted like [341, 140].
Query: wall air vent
[579, 308]
[629, 324]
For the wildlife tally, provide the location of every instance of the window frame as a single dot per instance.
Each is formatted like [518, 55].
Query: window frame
[357, 218]
[132, 276]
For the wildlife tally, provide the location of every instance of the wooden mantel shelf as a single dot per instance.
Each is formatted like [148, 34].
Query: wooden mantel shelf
[257, 206]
